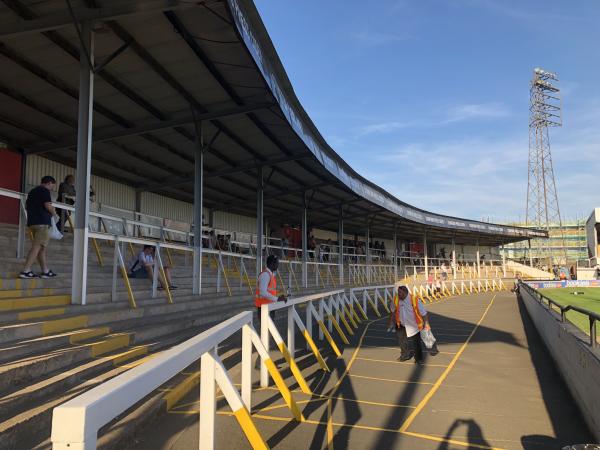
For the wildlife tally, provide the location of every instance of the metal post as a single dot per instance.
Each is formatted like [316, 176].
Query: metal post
[478, 264]
[264, 337]
[341, 245]
[530, 257]
[198, 206]
[503, 261]
[425, 254]
[368, 252]
[454, 258]
[304, 244]
[247, 367]
[22, 226]
[259, 221]
[291, 331]
[84, 156]
[395, 255]
[208, 402]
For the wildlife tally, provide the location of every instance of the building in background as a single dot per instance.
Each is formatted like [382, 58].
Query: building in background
[592, 227]
[575, 244]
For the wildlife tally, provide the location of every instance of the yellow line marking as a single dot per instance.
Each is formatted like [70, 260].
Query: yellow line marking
[364, 427]
[321, 398]
[329, 427]
[390, 361]
[449, 441]
[398, 348]
[389, 380]
[409, 420]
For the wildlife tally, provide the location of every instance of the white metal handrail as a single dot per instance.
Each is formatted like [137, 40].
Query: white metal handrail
[75, 424]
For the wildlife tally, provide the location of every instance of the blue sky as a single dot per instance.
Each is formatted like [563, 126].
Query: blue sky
[429, 98]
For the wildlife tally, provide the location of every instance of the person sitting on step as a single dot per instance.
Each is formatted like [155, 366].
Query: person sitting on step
[143, 267]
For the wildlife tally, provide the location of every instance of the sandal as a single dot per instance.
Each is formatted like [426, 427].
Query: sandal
[48, 274]
[26, 275]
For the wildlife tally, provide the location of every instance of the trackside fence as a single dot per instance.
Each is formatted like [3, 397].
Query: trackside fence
[592, 316]
[75, 424]
[331, 316]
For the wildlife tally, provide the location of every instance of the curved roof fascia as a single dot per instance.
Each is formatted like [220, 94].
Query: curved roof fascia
[254, 35]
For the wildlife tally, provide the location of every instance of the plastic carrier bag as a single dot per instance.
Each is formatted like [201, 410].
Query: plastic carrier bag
[428, 338]
[54, 233]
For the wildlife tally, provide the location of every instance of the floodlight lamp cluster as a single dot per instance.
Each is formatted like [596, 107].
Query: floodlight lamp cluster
[545, 74]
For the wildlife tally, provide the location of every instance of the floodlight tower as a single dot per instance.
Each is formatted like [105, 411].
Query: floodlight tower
[542, 199]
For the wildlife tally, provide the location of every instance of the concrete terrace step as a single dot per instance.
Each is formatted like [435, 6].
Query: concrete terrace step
[28, 330]
[31, 425]
[102, 313]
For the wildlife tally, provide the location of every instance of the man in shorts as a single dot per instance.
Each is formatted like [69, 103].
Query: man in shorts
[39, 220]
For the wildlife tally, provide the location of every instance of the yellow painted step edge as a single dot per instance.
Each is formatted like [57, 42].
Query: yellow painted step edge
[40, 313]
[66, 324]
[34, 302]
[24, 293]
[84, 335]
[178, 392]
[130, 354]
[110, 344]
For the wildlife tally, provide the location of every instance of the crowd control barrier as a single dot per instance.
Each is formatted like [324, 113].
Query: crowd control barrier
[75, 424]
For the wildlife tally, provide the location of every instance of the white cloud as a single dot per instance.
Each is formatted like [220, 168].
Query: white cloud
[383, 127]
[479, 177]
[476, 111]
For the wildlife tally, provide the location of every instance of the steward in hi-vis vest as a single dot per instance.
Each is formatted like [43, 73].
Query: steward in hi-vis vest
[408, 317]
[266, 285]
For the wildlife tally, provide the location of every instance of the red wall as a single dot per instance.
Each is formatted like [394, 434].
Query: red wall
[10, 178]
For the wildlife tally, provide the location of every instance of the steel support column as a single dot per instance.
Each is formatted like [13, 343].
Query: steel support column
[478, 264]
[259, 221]
[198, 207]
[368, 250]
[425, 254]
[454, 258]
[530, 257]
[84, 160]
[304, 228]
[503, 261]
[395, 255]
[341, 246]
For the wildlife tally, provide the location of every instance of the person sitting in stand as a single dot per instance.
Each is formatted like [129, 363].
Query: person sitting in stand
[143, 267]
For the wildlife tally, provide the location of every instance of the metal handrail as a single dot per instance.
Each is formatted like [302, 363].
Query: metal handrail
[592, 316]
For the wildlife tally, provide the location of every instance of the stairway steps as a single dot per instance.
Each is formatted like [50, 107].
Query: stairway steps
[21, 303]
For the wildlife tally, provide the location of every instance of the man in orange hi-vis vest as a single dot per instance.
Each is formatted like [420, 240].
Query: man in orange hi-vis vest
[266, 286]
[408, 316]
[266, 290]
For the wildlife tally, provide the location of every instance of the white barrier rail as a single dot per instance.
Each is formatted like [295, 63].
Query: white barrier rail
[75, 424]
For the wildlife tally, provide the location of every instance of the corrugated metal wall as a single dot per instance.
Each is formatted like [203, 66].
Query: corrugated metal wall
[234, 222]
[107, 191]
[111, 193]
[157, 205]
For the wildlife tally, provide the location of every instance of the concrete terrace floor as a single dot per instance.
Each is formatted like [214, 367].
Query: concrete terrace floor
[493, 385]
